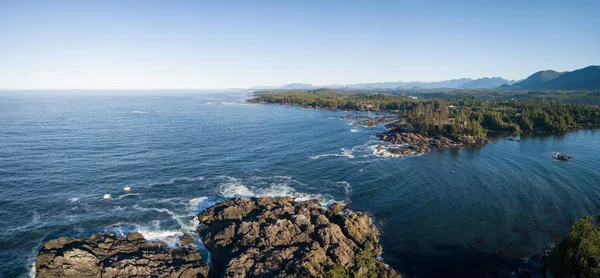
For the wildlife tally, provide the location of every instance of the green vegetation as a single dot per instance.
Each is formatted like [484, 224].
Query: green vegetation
[365, 266]
[450, 117]
[337, 271]
[578, 254]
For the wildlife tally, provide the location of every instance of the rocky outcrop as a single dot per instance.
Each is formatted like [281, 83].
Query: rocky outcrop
[415, 143]
[258, 237]
[475, 140]
[107, 255]
[278, 237]
[370, 122]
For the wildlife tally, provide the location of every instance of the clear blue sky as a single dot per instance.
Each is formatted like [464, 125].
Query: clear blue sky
[223, 44]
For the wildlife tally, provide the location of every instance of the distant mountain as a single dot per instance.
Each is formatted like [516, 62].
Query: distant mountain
[453, 83]
[582, 79]
[297, 86]
[587, 78]
[487, 83]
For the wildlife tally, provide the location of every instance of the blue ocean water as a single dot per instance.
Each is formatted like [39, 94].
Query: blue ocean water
[446, 213]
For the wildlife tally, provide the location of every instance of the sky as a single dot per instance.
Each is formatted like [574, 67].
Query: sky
[240, 44]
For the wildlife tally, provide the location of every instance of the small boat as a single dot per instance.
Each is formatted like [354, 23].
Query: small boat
[106, 197]
[127, 188]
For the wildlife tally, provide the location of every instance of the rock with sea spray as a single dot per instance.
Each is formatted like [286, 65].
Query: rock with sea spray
[247, 237]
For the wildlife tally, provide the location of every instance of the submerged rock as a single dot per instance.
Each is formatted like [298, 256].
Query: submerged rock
[106, 255]
[278, 237]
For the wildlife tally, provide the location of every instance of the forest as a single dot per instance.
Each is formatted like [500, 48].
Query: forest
[450, 117]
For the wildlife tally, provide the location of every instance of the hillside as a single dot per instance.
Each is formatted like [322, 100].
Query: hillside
[587, 78]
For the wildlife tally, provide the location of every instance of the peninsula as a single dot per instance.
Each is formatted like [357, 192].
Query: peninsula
[425, 123]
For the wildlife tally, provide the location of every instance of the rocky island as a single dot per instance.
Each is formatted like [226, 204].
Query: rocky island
[246, 237]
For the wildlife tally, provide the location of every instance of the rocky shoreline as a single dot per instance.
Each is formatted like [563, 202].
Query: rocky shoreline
[108, 255]
[246, 237]
[407, 142]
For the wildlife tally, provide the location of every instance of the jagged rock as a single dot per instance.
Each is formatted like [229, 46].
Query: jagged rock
[415, 143]
[186, 239]
[258, 237]
[278, 237]
[106, 255]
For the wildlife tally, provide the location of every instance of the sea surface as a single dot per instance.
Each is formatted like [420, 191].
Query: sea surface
[447, 213]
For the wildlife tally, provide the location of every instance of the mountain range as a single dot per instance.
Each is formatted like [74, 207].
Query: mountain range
[587, 78]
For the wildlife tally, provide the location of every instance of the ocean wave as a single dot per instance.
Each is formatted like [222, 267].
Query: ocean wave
[139, 112]
[239, 190]
[171, 237]
[354, 130]
[220, 102]
[345, 152]
[129, 195]
[151, 233]
[185, 179]
[346, 185]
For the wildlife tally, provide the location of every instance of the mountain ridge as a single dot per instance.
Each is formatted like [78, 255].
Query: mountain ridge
[587, 78]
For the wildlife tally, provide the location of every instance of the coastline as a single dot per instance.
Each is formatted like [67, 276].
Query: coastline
[406, 142]
[264, 236]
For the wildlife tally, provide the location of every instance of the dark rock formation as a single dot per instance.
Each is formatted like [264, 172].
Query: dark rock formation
[264, 237]
[475, 140]
[415, 143]
[370, 122]
[562, 157]
[278, 237]
[112, 256]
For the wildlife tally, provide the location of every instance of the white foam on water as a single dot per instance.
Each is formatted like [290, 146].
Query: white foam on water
[171, 237]
[387, 154]
[354, 130]
[139, 112]
[177, 218]
[35, 215]
[129, 195]
[281, 189]
[346, 185]
[186, 179]
[74, 200]
[219, 102]
[234, 190]
[196, 205]
[345, 153]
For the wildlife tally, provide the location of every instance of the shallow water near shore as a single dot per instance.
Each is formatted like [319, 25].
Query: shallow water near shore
[462, 213]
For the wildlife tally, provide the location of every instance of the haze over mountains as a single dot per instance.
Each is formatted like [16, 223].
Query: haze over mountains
[587, 78]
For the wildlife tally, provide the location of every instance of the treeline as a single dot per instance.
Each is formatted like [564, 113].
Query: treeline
[449, 117]
[578, 254]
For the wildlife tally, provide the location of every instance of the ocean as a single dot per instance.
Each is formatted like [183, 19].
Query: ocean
[480, 210]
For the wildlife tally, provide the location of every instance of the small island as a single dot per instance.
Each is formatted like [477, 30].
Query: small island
[422, 124]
